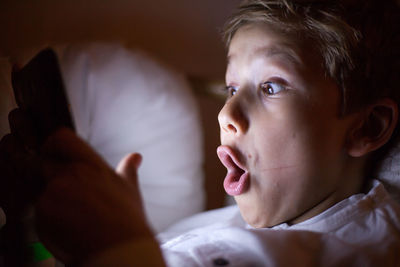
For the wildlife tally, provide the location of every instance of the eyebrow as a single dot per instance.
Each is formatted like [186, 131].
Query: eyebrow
[284, 51]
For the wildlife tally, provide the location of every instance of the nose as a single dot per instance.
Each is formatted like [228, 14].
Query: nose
[233, 118]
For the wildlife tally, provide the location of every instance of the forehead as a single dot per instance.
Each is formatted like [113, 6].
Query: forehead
[259, 39]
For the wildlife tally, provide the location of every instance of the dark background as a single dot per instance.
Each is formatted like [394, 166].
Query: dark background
[182, 33]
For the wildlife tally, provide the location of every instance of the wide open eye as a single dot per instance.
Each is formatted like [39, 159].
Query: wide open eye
[230, 90]
[272, 88]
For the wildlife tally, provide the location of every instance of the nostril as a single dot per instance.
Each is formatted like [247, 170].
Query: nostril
[231, 128]
[232, 118]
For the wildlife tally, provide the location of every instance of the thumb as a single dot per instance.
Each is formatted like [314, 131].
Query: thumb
[127, 168]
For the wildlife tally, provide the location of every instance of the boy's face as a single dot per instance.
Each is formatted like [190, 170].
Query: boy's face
[283, 142]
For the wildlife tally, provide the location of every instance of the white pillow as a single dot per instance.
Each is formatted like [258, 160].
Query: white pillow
[122, 102]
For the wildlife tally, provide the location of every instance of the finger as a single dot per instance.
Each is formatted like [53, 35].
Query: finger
[20, 179]
[128, 167]
[10, 146]
[22, 126]
[20, 168]
[65, 145]
[14, 154]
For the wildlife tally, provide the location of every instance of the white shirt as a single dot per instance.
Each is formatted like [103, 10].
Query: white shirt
[363, 230]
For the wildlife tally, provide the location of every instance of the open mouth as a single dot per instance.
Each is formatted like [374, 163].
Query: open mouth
[237, 178]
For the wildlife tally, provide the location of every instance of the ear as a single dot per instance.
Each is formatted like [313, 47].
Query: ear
[374, 128]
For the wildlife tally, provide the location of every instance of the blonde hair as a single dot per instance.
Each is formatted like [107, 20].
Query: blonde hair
[358, 42]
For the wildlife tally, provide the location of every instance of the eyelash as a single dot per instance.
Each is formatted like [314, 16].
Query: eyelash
[267, 88]
[264, 87]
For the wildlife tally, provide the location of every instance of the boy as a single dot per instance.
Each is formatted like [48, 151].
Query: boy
[309, 105]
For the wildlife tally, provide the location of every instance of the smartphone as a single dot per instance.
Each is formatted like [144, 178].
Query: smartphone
[39, 90]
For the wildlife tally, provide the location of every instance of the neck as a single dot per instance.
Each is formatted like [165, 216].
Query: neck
[351, 182]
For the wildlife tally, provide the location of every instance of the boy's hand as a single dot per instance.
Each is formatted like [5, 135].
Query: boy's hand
[86, 207]
[20, 183]
[20, 180]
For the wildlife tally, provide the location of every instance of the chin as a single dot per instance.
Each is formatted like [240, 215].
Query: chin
[257, 216]
[258, 219]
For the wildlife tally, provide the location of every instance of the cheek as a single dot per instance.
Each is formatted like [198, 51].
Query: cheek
[276, 139]
[291, 144]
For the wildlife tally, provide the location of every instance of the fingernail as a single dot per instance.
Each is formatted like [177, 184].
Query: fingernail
[138, 160]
